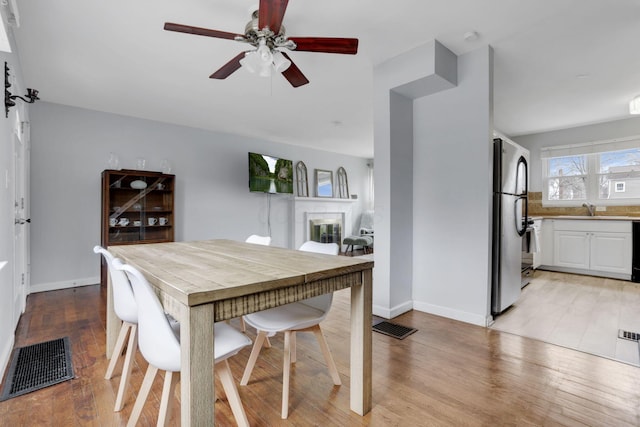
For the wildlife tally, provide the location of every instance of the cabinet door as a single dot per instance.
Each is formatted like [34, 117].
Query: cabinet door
[571, 249]
[546, 243]
[611, 252]
[537, 256]
[137, 207]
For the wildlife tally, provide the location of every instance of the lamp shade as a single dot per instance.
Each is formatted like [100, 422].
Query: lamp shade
[265, 54]
[259, 61]
[265, 69]
[251, 62]
[280, 63]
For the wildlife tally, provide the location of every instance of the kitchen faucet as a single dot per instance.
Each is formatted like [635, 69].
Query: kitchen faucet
[591, 208]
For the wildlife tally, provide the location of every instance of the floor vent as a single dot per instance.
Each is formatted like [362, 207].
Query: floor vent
[393, 330]
[626, 335]
[38, 366]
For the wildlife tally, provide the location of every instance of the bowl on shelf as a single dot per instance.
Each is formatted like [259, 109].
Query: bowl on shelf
[138, 184]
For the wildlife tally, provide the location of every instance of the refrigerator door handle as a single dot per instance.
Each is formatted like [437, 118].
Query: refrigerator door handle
[522, 163]
[520, 221]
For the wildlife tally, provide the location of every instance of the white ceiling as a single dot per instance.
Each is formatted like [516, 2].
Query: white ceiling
[558, 63]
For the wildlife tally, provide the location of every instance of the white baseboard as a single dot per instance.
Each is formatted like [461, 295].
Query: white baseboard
[620, 276]
[463, 316]
[5, 355]
[390, 313]
[53, 286]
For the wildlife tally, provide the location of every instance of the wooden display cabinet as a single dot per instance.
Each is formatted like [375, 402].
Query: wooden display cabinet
[137, 207]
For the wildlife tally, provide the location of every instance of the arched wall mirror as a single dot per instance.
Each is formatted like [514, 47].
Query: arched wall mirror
[343, 183]
[302, 180]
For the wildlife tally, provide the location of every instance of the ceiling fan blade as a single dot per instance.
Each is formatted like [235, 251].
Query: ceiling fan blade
[293, 74]
[271, 14]
[169, 26]
[227, 69]
[326, 44]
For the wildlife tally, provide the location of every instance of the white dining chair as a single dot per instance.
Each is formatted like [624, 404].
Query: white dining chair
[259, 240]
[160, 345]
[301, 316]
[125, 307]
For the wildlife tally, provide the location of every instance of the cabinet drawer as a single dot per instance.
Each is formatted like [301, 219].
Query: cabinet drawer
[597, 225]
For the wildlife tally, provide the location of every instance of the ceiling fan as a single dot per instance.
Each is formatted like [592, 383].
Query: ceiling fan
[266, 34]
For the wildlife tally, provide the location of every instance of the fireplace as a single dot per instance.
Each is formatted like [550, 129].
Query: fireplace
[325, 230]
[322, 212]
[325, 227]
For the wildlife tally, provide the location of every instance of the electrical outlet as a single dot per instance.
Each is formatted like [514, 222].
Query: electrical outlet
[601, 208]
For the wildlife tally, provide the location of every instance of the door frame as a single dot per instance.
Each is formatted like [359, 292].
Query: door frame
[21, 252]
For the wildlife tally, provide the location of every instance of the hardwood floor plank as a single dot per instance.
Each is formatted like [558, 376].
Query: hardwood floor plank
[447, 374]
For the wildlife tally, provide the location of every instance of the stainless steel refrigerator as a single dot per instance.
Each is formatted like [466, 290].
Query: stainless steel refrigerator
[510, 212]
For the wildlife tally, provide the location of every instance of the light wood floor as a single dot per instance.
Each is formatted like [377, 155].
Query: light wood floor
[579, 312]
[447, 374]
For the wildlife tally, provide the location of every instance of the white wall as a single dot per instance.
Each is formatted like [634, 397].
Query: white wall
[452, 194]
[580, 134]
[71, 146]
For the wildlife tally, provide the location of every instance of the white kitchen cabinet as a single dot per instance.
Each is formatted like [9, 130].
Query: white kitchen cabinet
[571, 249]
[611, 252]
[598, 247]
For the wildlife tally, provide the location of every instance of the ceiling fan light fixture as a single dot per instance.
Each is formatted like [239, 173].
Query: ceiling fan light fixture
[259, 61]
[265, 70]
[267, 36]
[280, 63]
[251, 62]
[634, 105]
[264, 52]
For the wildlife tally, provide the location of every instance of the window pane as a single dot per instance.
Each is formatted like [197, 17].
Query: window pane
[618, 174]
[569, 188]
[620, 161]
[568, 166]
[612, 188]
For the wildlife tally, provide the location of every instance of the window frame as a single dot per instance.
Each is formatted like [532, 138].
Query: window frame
[592, 179]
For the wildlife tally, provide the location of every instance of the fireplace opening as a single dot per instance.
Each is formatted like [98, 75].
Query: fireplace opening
[325, 231]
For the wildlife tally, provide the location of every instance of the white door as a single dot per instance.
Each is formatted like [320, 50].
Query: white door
[21, 221]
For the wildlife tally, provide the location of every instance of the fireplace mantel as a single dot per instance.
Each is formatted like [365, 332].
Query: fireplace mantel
[324, 199]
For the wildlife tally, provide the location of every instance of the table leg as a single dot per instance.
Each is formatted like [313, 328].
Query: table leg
[361, 305]
[196, 356]
[113, 323]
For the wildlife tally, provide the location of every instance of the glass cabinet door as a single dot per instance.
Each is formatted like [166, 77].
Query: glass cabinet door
[138, 207]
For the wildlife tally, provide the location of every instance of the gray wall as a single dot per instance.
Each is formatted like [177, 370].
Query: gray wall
[427, 69]
[452, 194]
[433, 127]
[580, 134]
[71, 147]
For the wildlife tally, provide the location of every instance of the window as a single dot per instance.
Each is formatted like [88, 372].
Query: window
[567, 178]
[619, 174]
[598, 173]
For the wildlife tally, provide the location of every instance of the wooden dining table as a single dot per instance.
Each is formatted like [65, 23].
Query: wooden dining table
[202, 282]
